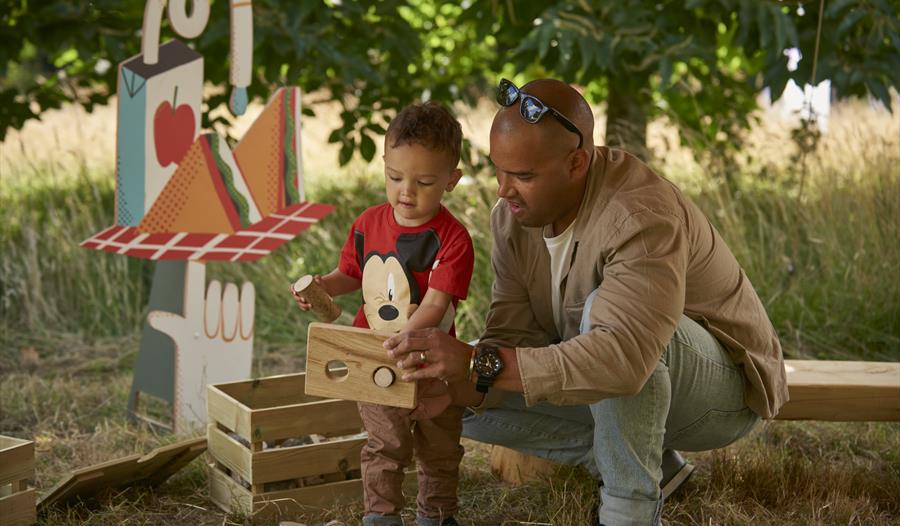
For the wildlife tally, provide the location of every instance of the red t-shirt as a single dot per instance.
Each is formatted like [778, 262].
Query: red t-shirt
[398, 264]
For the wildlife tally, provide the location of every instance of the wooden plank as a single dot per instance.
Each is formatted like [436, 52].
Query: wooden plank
[362, 352]
[842, 391]
[271, 391]
[285, 504]
[16, 459]
[18, 509]
[230, 452]
[227, 494]
[304, 461]
[221, 407]
[328, 417]
[152, 468]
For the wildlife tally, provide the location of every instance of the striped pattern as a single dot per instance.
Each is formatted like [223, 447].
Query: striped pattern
[249, 244]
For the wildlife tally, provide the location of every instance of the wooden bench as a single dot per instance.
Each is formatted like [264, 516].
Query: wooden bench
[836, 391]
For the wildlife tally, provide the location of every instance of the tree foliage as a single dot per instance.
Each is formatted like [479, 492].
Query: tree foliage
[699, 62]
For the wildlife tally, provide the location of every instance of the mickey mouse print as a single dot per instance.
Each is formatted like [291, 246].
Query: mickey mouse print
[398, 264]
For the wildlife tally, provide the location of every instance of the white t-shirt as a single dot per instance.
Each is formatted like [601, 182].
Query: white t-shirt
[560, 248]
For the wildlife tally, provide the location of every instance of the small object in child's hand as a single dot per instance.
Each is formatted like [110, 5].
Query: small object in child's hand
[322, 304]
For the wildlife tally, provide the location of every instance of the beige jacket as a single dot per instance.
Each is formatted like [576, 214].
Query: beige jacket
[654, 256]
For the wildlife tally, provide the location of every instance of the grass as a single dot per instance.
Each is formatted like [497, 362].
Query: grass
[818, 240]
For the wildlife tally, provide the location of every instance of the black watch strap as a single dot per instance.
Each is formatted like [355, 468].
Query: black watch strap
[484, 383]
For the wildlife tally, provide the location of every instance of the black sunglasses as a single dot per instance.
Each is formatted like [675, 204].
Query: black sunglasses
[532, 108]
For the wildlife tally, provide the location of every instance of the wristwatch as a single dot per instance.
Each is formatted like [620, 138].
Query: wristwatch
[487, 365]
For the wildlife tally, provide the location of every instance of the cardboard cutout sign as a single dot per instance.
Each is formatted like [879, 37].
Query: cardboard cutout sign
[183, 195]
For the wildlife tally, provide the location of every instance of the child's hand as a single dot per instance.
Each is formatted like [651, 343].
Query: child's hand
[302, 301]
[434, 399]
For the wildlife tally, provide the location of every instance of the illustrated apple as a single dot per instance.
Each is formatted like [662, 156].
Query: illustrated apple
[173, 131]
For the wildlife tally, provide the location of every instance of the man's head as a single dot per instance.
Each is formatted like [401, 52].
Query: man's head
[540, 168]
[421, 151]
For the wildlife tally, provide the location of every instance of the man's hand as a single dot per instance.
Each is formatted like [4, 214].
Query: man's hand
[434, 399]
[431, 353]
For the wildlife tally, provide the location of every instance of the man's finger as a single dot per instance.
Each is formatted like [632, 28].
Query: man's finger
[406, 346]
[421, 374]
[395, 340]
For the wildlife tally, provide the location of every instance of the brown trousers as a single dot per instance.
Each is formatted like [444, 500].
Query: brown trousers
[393, 437]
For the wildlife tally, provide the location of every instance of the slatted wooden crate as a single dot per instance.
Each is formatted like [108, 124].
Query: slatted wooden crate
[17, 499]
[249, 475]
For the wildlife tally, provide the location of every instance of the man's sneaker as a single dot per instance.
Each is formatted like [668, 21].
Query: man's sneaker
[676, 471]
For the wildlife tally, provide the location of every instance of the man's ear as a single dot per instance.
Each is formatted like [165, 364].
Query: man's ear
[579, 162]
[455, 176]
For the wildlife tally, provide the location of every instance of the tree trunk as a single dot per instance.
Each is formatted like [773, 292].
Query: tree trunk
[626, 117]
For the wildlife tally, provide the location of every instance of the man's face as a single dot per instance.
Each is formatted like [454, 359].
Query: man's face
[533, 178]
[415, 179]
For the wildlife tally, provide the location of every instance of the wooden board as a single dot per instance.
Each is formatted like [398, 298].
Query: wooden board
[276, 407]
[16, 460]
[842, 391]
[18, 509]
[231, 497]
[277, 464]
[152, 468]
[362, 352]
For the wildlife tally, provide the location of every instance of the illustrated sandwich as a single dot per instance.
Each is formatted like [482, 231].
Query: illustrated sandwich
[269, 153]
[206, 194]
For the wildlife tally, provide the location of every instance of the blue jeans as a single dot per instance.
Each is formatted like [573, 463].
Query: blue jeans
[693, 401]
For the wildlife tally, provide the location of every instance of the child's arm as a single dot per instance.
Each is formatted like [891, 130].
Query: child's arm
[335, 283]
[430, 312]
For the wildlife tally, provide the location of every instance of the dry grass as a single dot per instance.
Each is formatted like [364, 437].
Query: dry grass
[72, 404]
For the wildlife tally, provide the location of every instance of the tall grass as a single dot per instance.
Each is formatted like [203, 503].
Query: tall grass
[823, 262]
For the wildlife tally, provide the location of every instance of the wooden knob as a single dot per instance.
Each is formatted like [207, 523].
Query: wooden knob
[322, 304]
[383, 377]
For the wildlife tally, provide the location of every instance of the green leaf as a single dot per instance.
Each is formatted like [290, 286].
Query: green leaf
[346, 153]
[367, 147]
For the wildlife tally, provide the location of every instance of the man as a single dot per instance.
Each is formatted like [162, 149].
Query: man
[620, 326]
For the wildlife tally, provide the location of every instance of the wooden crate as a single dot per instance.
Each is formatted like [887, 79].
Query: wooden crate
[17, 499]
[247, 418]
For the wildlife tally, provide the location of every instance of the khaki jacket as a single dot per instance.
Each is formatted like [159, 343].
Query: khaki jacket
[654, 256]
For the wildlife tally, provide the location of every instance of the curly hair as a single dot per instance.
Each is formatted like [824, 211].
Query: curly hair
[428, 124]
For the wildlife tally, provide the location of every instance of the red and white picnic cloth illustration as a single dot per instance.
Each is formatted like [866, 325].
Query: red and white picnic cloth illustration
[248, 244]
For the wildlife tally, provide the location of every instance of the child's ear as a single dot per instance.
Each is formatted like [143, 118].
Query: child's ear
[455, 176]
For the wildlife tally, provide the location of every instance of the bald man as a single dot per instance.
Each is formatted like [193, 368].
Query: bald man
[621, 326]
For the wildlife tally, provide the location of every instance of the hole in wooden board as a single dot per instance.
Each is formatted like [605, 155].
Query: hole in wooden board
[336, 370]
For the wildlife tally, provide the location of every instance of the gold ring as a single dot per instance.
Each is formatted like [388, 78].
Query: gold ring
[422, 356]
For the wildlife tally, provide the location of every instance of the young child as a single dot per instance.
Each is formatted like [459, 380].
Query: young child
[413, 261]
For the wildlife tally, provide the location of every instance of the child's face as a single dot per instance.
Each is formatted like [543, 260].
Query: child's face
[415, 179]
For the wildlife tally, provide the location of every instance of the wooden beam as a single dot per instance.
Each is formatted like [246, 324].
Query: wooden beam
[842, 391]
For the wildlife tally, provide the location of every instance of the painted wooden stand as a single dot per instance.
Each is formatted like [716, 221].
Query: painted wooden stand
[351, 364]
[835, 391]
[17, 497]
[255, 468]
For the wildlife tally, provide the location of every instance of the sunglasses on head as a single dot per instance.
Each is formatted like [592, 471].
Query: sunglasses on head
[532, 108]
